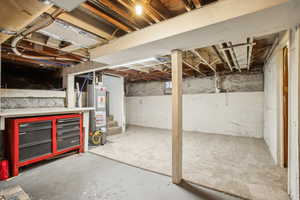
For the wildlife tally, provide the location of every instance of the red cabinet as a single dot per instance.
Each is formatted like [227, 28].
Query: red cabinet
[38, 138]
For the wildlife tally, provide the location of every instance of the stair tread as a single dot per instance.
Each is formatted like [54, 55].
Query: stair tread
[114, 130]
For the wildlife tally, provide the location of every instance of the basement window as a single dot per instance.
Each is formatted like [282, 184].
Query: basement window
[168, 87]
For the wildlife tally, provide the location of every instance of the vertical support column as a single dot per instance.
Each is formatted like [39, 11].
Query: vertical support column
[68, 83]
[86, 125]
[298, 66]
[176, 116]
[123, 106]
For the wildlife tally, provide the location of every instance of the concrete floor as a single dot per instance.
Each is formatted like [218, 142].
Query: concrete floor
[237, 165]
[92, 177]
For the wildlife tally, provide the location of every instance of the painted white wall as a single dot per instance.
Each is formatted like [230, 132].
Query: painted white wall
[239, 114]
[294, 65]
[273, 129]
[273, 101]
[115, 87]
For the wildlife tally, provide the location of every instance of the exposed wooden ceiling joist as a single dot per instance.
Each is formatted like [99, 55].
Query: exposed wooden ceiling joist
[233, 56]
[153, 13]
[81, 23]
[18, 59]
[193, 67]
[249, 51]
[203, 60]
[197, 3]
[187, 6]
[128, 5]
[121, 12]
[106, 17]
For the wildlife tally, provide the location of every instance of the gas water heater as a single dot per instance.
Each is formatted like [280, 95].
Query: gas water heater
[98, 98]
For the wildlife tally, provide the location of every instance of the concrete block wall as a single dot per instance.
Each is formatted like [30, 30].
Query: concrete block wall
[228, 83]
[19, 98]
[31, 102]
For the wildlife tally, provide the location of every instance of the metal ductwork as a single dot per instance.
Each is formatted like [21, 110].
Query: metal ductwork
[17, 14]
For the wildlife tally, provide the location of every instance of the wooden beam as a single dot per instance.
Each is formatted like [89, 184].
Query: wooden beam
[152, 39]
[18, 59]
[233, 56]
[82, 24]
[176, 57]
[187, 7]
[193, 67]
[249, 51]
[83, 68]
[45, 50]
[130, 7]
[203, 60]
[121, 12]
[226, 58]
[153, 13]
[219, 55]
[298, 111]
[68, 83]
[197, 3]
[106, 17]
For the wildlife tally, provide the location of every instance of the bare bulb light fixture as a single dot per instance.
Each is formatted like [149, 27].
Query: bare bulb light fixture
[138, 9]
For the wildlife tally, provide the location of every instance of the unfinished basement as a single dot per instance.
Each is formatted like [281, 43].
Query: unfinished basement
[149, 99]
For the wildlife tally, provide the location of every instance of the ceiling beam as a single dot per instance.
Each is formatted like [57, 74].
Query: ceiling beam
[153, 13]
[106, 17]
[186, 6]
[203, 60]
[249, 53]
[219, 55]
[129, 6]
[246, 19]
[86, 67]
[193, 67]
[226, 58]
[18, 59]
[48, 51]
[148, 10]
[233, 56]
[197, 3]
[81, 23]
[121, 12]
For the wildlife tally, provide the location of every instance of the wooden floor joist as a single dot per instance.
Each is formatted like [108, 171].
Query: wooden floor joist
[107, 17]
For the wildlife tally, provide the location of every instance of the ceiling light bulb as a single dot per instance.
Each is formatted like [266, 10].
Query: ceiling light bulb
[138, 9]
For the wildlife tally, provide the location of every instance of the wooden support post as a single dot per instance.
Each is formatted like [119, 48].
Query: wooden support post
[176, 116]
[298, 65]
[68, 83]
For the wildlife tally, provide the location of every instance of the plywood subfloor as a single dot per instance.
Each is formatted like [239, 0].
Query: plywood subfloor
[238, 165]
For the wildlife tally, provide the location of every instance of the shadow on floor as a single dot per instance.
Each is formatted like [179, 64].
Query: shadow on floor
[197, 191]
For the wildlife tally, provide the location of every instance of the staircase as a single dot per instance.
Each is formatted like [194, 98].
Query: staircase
[113, 127]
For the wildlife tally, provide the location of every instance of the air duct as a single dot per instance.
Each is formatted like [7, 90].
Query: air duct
[17, 14]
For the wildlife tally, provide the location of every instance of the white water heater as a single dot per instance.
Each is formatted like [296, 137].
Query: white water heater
[98, 98]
